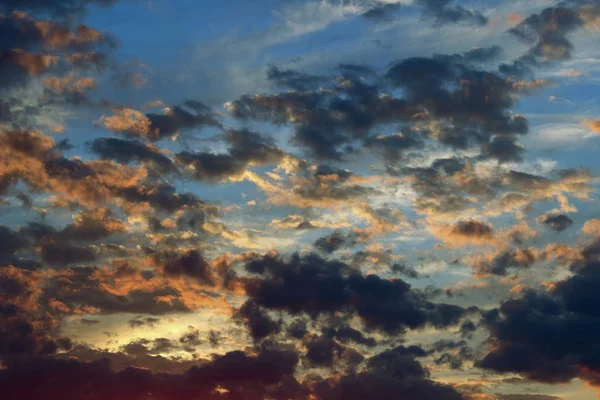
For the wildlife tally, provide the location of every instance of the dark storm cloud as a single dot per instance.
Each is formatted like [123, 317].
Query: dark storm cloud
[259, 323]
[297, 329]
[119, 360]
[443, 12]
[125, 151]
[390, 374]
[558, 222]
[10, 242]
[63, 253]
[321, 352]
[190, 263]
[452, 354]
[253, 377]
[345, 334]
[549, 336]
[312, 285]
[24, 330]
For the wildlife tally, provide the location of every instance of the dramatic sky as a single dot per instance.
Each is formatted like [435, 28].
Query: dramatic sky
[299, 199]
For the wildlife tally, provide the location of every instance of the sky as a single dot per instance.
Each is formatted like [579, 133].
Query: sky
[299, 200]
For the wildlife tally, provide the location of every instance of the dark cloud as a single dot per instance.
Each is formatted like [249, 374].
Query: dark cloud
[483, 54]
[87, 321]
[172, 121]
[64, 253]
[471, 227]
[390, 374]
[403, 269]
[467, 328]
[190, 263]
[258, 320]
[558, 222]
[326, 121]
[288, 78]
[479, 108]
[453, 354]
[242, 376]
[527, 397]
[320, 352]
[549, 336]
[547, 32]
[454, 101]
[55, 8]
[381, 12]
[443, 12]
[504, 149]
[337, 240]
[10, 242]
[211, 166]
[312, 285]
[161, 196]
[394, 147]
[140, 322]
[346, 334]
[125, 151]
[247, 148]
[509, 259]
[85, 288]
[297, 329]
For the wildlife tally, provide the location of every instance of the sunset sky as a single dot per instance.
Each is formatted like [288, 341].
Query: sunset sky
[299, 199]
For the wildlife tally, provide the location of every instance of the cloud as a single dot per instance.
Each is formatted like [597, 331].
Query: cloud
[591, 125]
[392, 373]
[125, 152]
[464, 233]
[591, 227]
[312, 285]
[238, 374]
[566, 310]
[57, 8]
[443, 12]
[246, 149]
[558, 222]
[338, 240]
[152, 126]
[330, 119]
[381, 12]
